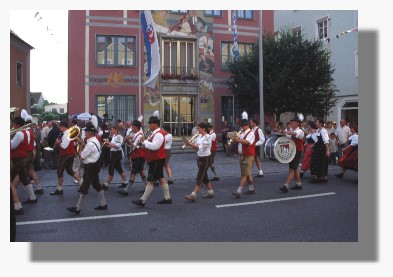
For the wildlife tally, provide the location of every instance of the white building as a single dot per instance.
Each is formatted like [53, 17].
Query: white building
[59, 108]
[327, 25]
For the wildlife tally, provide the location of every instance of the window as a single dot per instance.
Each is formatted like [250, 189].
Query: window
[115, 51]
[179, 11]
[215, 13]
[19, 74]
[297, 31]
[178, 57]
[227, 109]
[245, 14]
[356, 64]
[61, 110]
[117, 107]
[227, 53]
[54, 110]
[322, 26]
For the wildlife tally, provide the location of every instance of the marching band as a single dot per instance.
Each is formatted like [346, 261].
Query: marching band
[154, 148]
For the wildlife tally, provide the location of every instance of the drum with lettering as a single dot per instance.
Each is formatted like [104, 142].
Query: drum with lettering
[281, 149]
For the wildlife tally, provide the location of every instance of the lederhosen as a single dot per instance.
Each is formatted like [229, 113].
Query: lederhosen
[137, 157]
[299, 150]
[18, 159]
[66, 159]
[156, 160]
[115, 162]
[91, 175]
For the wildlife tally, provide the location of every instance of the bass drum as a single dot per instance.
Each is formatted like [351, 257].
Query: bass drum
[280, 149]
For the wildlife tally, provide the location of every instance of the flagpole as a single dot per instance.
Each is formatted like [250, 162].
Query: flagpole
[261, 111]
[140, 66]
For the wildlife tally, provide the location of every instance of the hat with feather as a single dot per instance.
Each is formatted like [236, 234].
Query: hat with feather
[244, 120]
[138, 122]
[154, 118]
[298, 118]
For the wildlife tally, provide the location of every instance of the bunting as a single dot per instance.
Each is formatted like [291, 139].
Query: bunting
[355, 29]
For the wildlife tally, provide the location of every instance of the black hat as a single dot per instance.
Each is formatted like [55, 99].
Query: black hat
[209, 125]
[244, 122]
[298, 118]
[105, 115]
[154, 119]
[136, 123]
[90, 128]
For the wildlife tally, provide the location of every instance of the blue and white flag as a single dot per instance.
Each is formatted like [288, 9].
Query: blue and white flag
[152, 49]
[235, 48]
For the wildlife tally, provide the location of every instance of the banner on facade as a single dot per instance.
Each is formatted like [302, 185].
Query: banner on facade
[235, 48]
[152, 49]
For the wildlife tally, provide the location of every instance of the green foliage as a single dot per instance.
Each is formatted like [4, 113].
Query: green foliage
[297, 76]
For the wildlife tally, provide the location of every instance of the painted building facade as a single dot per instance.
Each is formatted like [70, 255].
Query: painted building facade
[329, 26]
[107, 64]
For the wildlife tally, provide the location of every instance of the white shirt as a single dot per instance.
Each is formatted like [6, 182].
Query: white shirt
[91, 152]
[129, 132]
[343, 133]
[64, 140]
[204, 145]
[44, 133]
[331, 130]
[313, 136]
[261, 136]
[168, 141]
[158, 140]
[250, 138]
[16, 140]
[325, 136]
[117, 141]
[213, 135]
[354, 138]
[136, 137]
[300, 134]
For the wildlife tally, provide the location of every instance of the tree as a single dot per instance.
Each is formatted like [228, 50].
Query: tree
[297, 76]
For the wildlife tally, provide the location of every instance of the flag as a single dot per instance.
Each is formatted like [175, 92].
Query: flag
[153, 53]
[235, 48]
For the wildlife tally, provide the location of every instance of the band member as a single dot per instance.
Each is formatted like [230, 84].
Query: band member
[350, 158]
[137, 157]
[116, 156]
[246, 150]
[67, 154]
[203, 145]
[297, 136]
[259, 141]
[90, 156]
[19, 145]
[308, 148]
[155, 158]
[321, 153]
[168, 153]
[213, 151]
[105, 152]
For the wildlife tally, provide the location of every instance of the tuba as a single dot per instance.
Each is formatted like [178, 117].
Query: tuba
[73, 133]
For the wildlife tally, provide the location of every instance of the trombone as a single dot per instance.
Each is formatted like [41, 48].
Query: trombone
[192, 140]
[13, 131]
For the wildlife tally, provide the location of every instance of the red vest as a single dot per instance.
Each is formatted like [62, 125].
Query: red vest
[256, 135]
[214, 143]
[299, 144]
[137, 152]
[68, 151]
[30, 146]
[153, 155]
[248, 149]
[21, 150]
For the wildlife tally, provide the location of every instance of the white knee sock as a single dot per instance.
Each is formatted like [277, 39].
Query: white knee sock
[149, 188]
[165, 189]
[30, 191]
[82, 199]
[102, 198]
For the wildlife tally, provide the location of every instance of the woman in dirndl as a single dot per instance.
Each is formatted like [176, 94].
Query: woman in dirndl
[349, 160]
[308, 149]
[320, 155]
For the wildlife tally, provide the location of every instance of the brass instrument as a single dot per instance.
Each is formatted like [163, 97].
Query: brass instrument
[13, 131]
[73, 133]
[104, 142]
[232, 136]
[192, 140]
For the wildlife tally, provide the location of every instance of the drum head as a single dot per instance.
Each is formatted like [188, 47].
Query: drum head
[284, 149]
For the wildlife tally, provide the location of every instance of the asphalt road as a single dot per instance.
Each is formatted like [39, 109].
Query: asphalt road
[320, 212]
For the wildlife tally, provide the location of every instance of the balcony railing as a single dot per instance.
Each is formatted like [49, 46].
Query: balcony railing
[179, 73]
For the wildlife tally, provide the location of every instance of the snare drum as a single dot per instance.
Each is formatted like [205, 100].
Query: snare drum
[282, 149]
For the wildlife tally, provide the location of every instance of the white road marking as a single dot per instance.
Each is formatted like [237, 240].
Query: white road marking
[274, 200]
[78, 218]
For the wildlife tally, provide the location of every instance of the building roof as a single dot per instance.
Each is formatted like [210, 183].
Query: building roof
[12, 33]
[35, 96]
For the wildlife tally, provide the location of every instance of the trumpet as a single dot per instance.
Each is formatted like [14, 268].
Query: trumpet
[237, 134]
[145, 135]
[192, 140]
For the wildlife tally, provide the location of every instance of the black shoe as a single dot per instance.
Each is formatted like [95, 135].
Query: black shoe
[138, 202]
[165, 201]
[73, 210]
[29, 201]
[104, 187]
[142, 191]
[236, 194]
[339, 176]
[57, 192]
[19, 211]
[249, 192]
[296, 187]
[301, 174]
[122, 192]
[259, 176]
[123, 186]
[99, 207]
[215, 179]
[39, 191]
[170, 182]
[284, 189]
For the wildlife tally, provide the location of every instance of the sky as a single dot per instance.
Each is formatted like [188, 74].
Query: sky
[47, 32]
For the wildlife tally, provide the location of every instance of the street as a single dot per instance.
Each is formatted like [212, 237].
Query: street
[324, 212]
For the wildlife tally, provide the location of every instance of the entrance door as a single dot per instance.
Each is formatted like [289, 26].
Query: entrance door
[179, 114]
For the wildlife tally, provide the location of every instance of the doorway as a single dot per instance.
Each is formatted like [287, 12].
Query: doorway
[179, 114]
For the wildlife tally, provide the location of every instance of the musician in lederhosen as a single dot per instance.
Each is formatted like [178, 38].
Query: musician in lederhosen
[213, 151]
[259, 141]
[67, 155]
[116, 156]
[297, 136]
[246, 150]
[90, 156]
[203, 145]
[155, 158]
[19, 146]
[137, 157]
